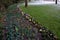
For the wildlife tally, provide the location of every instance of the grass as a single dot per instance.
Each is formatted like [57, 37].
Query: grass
[47, 15]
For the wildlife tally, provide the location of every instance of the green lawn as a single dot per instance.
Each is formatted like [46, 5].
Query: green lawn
[47, 15]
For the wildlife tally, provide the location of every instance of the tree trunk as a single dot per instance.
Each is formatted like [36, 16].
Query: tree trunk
[26, 4]
[55, 1]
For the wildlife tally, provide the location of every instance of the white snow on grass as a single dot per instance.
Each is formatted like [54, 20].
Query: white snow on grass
[41, 2]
